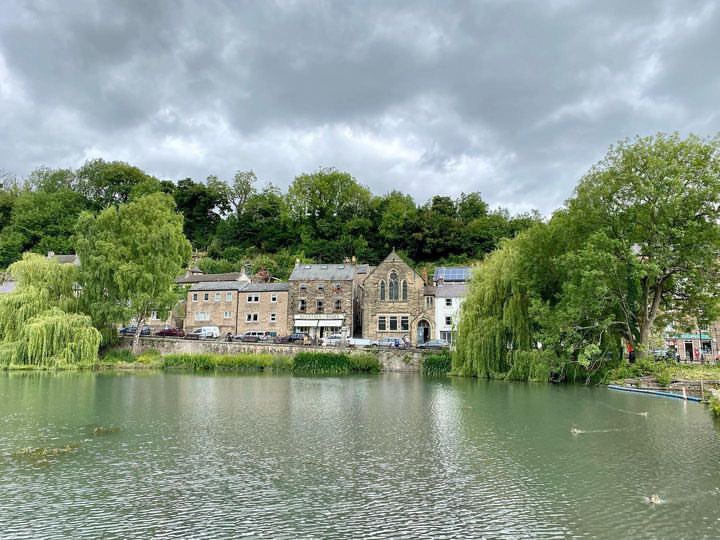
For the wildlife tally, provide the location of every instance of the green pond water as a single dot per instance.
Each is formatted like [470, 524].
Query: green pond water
[385, 456]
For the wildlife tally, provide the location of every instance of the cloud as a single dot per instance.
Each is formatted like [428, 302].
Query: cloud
[513, 99]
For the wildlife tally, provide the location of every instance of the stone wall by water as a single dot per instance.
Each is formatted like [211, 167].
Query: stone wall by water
[390, 359]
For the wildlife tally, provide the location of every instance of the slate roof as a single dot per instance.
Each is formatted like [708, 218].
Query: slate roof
[66, 259]
[452, 273]
[201, 278]
[323, 272]
[239, 286]
[452, 290]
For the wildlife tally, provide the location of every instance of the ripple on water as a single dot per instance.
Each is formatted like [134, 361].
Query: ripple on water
[375, 457]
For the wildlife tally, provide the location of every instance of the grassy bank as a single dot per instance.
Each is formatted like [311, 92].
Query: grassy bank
[437, 364]
[664, 372]
[302, 364]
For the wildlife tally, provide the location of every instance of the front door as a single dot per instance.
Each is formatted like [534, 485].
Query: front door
[423, 332]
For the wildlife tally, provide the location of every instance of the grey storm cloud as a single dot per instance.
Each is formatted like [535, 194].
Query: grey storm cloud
[513, 99]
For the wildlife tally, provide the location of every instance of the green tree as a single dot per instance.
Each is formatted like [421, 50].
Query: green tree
[105, 183]
[330, 210]
[202, 206]
[131, 255]
[39, 322]
[651, 207]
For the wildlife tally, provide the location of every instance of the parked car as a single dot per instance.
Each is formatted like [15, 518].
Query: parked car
[361, 342]
[204, 332]
[333, 340]
[434, 344]
[394, 342]
[253, 336]
[130, 331]
[170, 332]
[298, 337]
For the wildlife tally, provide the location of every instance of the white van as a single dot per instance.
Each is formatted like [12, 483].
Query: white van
[204, 332]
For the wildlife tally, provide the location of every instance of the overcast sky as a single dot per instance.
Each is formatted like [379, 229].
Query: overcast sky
[512, 99]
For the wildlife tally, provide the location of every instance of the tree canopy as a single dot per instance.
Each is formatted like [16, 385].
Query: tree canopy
[637, 246]
[131, 255]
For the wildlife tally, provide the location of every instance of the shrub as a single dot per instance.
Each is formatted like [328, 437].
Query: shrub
[437, 364]
[322, 363]
[204, 362]
[365, 363]
[118, 356]
[715, 402]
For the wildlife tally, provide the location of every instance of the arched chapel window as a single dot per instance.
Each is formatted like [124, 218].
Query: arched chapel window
[382, 289]
[404, 289]
[393, 285]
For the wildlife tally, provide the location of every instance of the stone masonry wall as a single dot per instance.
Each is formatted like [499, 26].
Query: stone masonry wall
[390, 359]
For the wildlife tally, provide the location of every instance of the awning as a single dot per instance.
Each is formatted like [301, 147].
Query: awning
[330, 323]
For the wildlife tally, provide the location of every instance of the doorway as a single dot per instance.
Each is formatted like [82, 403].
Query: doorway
[688, 351]
[423, 332]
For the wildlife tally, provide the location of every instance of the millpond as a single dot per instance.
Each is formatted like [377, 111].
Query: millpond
[162, 455]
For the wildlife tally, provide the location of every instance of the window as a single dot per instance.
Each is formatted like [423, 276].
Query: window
[228, 297]
[217, 296]
[428, 301]
[303, 286]
[273, 298]
[227, 315]
[320, 287]
[253, 298]
[273, 317]
[154, 316]
[404, 323]
[382, 321]
[447, 336]
[382, 289]
[448, 321]
[320, 305]
[393, 285]
[404, 289]
[338, 304]
[207, 296]
[337, 288]
[194, 297]
[302, 304]
[202, 316]
[393, 323]
[448, 302]
[251, 317]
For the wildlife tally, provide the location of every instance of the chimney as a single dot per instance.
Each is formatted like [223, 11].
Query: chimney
[354, 260]
[425, 275]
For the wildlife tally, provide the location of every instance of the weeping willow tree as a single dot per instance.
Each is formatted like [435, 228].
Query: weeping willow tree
[495, 327]
[38, 325]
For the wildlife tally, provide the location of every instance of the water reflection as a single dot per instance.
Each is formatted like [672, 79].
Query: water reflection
[394, 456]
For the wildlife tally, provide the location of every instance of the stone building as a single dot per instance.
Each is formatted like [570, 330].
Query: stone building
[322, 299]
[397, 303]
[238, 306]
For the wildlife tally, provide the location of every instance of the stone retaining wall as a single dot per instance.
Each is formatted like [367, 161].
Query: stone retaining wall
[390, 359]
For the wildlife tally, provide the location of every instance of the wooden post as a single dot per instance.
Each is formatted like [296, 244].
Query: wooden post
[684, 394]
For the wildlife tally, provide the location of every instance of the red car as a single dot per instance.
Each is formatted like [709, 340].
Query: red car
[170, 332]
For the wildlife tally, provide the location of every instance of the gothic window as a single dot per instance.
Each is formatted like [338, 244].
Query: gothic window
[382, 289]
[404, 289]
[393, 285]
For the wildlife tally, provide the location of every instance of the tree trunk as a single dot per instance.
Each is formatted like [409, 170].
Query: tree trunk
[650, 314]
[136, 337]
